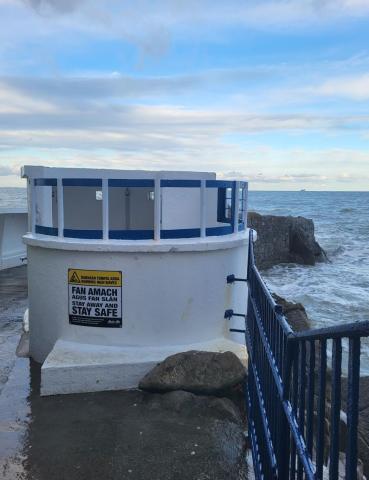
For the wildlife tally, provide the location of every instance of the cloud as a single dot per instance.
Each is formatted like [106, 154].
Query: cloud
[153, 26]
[352, 87]
[59, 6]
[170, 13]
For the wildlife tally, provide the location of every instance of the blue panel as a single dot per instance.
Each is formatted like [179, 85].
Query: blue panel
[181, 233]
[82, 182]
[181, 183]
[45, 182]
[87, 234]
[213, 231]
[131, 182]
[241, 227]
[131, 234]
[219, 183]
[46, 230]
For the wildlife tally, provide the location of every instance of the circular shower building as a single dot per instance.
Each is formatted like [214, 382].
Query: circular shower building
[128, 267]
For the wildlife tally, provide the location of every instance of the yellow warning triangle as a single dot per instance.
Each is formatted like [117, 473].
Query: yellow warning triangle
[74, 278]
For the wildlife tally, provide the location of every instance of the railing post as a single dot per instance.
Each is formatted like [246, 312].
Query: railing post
[203, 209]
[33, 206]
[246, 200]
[105, 208]
[284, 446]
[236, 209]
[157, 209]
[60, 199]
[352, 406]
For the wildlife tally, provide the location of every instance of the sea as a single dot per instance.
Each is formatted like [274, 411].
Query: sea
[335, 292]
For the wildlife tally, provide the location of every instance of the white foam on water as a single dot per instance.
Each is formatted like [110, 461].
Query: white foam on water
[336, 292]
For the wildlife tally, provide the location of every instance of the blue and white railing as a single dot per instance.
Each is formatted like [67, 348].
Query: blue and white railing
[231, 208]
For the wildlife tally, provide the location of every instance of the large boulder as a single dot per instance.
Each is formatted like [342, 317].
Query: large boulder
[198, 372]
[295, 314]
[284, 240]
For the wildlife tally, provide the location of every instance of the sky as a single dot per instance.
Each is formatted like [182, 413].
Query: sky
[275, 92]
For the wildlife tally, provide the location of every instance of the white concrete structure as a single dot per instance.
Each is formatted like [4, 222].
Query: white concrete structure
[128, 267]
[13, 225]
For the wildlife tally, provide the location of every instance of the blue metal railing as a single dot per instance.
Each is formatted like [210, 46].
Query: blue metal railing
[293, 398]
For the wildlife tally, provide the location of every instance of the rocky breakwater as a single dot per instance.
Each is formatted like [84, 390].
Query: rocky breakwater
[284, 240]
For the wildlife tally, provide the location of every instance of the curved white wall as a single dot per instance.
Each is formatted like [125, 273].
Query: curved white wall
[13, 225]
[172, 297]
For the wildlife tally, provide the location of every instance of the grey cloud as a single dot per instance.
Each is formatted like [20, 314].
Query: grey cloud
[159, 119]
[58, 6]
[125, 86]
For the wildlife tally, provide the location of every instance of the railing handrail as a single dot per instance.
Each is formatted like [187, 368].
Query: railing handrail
[288, 403]
[277, 308]
[347, 330]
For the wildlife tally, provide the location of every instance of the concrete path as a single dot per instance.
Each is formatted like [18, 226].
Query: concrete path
[107, 435]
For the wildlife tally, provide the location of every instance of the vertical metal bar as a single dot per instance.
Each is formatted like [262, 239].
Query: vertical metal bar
[321, 409]
[246, 200]
[105, 208]
[335, 408]
[33, 205]
[310, 400]
[294, 407]
[157, 209]
[29, 204]
[236, 209]
[203, 209]
[302, 373]
[285, 446]
[352, 406]
[60, 198]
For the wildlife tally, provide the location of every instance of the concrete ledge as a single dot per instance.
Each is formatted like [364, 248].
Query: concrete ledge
[197, 244]
[73, 367]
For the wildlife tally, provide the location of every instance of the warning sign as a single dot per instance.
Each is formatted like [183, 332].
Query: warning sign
[95, 298]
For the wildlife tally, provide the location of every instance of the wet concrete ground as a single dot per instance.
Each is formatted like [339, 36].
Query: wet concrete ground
[105, 435]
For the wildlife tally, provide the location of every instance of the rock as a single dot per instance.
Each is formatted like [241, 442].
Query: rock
[186, 403]
[197, 372]
[284, 240]
[295, 314]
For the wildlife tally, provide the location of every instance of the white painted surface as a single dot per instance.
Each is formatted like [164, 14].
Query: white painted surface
[174, 291]
[75, 368]
[169, 298]
[32, 171]
[13, 225]
[43, 207]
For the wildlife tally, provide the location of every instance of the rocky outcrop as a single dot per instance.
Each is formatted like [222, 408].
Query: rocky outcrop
[295, 314]
[284, 240]
[198, 372]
